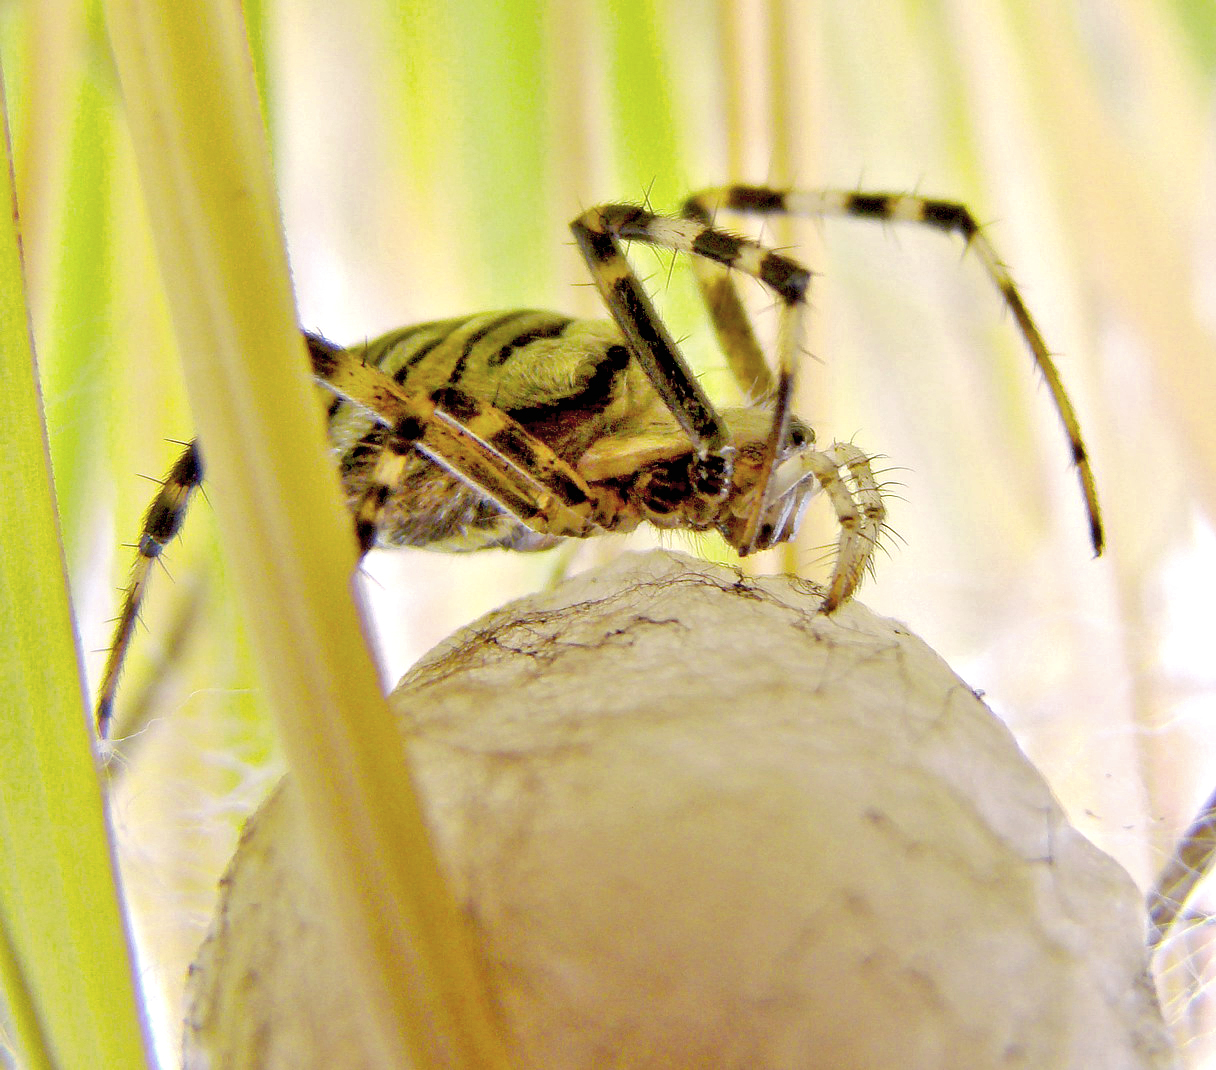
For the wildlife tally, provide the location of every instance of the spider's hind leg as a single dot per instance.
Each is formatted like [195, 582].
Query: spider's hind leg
[482, 445]
[162, 522]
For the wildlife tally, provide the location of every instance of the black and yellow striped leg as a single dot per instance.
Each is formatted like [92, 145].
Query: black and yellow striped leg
[476, 441]
[599, 233]
[734, 330]
[162, 522]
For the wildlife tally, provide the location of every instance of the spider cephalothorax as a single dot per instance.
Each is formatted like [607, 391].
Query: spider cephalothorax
[520, 428]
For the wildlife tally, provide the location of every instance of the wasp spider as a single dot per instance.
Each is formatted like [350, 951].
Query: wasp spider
[517, 429]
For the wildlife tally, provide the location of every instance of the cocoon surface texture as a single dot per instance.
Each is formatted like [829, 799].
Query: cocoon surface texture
[694, 823]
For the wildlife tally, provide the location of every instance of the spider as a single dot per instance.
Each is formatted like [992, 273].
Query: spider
[518, 429]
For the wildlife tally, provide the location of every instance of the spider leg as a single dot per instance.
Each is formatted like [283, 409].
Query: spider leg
[731, 320]
[162, 522]
[600, 232]
[733, 327]
[473, 439]
[477, 441]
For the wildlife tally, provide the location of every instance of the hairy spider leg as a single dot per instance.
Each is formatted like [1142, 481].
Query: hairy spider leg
[599, 233]
[478, 442]
[733, 324]
[162, 522]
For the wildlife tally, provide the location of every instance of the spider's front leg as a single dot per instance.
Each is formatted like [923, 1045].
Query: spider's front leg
[600, 233]
[951, 217]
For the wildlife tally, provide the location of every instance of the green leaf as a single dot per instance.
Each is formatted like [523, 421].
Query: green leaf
[68, 969]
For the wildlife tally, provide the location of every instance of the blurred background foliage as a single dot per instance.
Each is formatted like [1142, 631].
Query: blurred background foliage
[429, 158]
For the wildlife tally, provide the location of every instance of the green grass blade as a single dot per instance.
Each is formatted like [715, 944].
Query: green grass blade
[205, 174]
[57, 893]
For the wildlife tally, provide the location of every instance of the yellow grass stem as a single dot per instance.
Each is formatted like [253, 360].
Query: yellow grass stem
[205, 173]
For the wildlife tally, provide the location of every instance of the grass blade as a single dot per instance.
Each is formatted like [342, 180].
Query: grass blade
[65, 936]
[205, 173]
